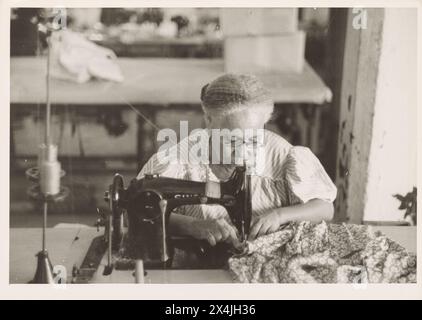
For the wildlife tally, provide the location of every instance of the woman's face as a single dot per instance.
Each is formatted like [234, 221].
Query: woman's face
[242, 134]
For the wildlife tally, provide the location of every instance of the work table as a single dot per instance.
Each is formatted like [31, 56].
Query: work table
[68, 246]
[154, 81]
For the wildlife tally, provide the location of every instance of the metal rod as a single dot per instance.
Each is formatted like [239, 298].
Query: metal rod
[48, 102]
[110, 236]
[247, 202]
[164, 256]
[44, 226]
[47, 136]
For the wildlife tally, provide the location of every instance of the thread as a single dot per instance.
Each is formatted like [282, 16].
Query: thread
[42, 151]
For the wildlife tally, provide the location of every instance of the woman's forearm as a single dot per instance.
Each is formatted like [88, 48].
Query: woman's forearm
[315, 210]
[180, 225]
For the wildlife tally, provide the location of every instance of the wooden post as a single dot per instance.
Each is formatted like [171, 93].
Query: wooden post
[357, 100]
[377, 151]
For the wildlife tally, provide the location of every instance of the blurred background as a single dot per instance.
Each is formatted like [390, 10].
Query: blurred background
[344, 83]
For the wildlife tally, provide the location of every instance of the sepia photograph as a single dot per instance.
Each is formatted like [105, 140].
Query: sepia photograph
[213, 145]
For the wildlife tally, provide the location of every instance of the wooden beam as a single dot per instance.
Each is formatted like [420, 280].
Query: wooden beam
[358, 89]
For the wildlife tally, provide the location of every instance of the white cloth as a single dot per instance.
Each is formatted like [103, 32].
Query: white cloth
[77, 59]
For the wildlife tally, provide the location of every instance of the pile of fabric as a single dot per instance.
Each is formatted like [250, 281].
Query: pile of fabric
[324, 253]
[77, 59]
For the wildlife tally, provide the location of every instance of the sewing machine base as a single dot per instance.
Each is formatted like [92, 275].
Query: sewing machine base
[187, 254]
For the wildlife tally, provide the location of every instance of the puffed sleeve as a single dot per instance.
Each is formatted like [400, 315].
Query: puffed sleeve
[160, 164]
[306, 178]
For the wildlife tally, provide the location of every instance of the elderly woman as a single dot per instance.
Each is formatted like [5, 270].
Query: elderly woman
[291, 185]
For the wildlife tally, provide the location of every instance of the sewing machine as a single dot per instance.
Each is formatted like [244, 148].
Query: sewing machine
[136, 228]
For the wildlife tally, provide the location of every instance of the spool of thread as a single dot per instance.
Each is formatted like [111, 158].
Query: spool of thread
[42, 150]
[49, 170]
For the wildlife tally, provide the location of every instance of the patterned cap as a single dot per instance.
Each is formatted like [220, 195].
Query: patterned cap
[231, 92]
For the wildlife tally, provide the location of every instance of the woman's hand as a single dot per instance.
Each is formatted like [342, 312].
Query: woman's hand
[315, 210]
[268, 223]
[214, 231]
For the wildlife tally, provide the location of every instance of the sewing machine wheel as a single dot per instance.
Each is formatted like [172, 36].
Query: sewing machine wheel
[114, 196]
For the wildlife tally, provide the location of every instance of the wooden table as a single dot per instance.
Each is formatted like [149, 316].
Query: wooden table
[68, 246]
[154, 81]
[151, 84]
